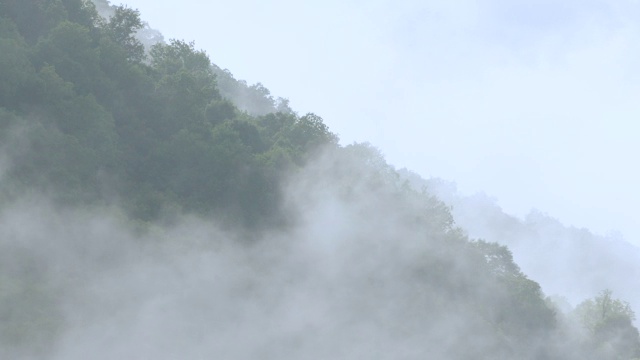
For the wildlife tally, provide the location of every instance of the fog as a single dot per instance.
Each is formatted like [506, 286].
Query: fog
[352, 278]
[365, 269]
[567, 261]
[361, 260]
[532, 103]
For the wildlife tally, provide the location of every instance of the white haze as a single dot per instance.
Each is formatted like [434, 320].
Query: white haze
[568, 262]
[535, 103]
[344, 283]
[355, 276]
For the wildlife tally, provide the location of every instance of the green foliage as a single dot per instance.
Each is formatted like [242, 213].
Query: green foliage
[274, 125]
[17, 75]
[523, 310]
[82, 12]
[185, 85]
[122, 27]
[255, 100]
[310, 132]
[32, 18]
[28, 308]
[498, 258]
[220, 110]
[609, 325]
[593, 313]
[69, 49]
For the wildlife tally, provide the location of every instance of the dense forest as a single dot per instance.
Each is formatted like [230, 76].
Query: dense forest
[153, 206]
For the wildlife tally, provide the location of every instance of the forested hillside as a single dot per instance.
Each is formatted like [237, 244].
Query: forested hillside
[576, 262]
[154, 131]
[152, 206]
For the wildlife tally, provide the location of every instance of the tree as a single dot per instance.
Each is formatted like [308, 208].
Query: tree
[220, 110]
[308, 133]
[69, 48]
[17, 75]
[609, 325]
[122, 27]
[522, 309]
[498, 258]
[185, 85]
[594, 312]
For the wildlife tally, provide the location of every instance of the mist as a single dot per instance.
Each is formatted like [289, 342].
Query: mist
[567, 261]
[350, 279]
[153, 205]
[365, 268]
[533, 104]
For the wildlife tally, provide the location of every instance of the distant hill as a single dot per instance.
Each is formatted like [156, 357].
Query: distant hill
[565, 260]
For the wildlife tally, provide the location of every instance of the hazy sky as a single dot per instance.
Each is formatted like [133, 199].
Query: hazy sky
[534, 103]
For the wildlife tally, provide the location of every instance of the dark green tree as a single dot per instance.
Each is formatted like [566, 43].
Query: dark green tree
[185, 85]
[17, 76]
[122, 28]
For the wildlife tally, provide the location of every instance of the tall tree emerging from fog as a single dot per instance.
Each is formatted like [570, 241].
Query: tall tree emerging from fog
[122, 27]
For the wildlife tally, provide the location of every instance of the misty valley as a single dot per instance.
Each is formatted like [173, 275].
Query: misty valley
[153, 206]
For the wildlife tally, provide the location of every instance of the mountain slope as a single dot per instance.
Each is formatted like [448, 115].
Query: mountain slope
[576, 263]
[144, 215]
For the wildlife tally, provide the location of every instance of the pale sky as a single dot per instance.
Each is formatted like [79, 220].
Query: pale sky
[536, 103]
